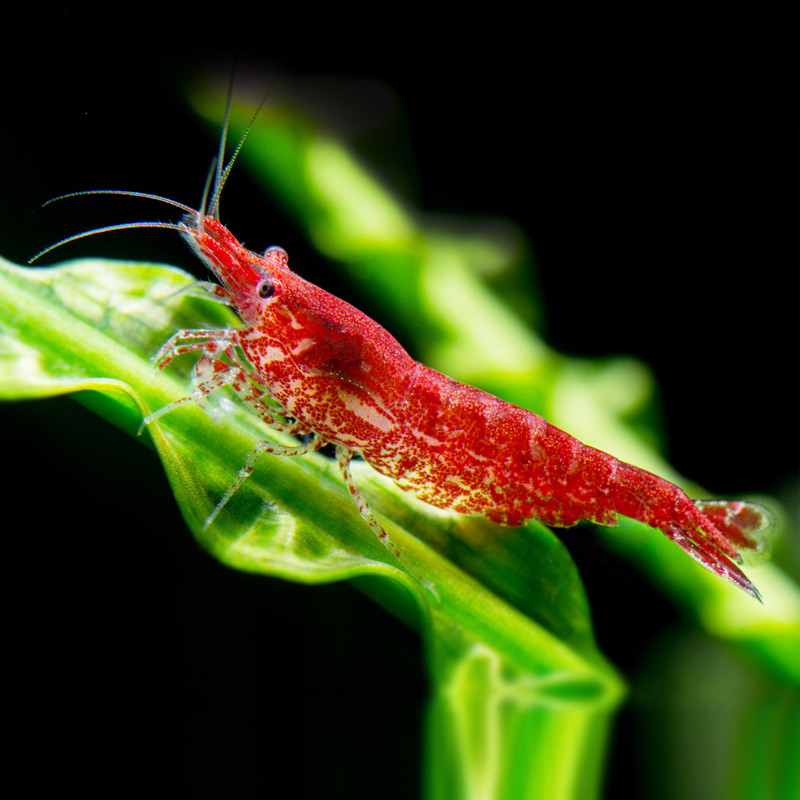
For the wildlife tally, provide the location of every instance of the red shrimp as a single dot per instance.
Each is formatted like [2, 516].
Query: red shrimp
[310, 364]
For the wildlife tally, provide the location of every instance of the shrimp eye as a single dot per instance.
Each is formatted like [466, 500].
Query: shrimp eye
[265, 289]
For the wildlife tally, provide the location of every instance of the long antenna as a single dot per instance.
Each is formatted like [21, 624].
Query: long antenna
[223, 173]
[217, 176]
[220, 174]
[126, 193]
[171, 226]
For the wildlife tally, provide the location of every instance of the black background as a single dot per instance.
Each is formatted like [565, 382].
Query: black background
[659, 187]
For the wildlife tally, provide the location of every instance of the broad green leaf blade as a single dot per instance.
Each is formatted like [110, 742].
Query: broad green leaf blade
[510, 598]
[94, 325]
[496, 731]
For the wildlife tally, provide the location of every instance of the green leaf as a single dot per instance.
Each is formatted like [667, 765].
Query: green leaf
[503, 610]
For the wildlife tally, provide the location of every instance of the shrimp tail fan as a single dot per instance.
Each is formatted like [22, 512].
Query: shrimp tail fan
[747, 526]
[740, 529]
